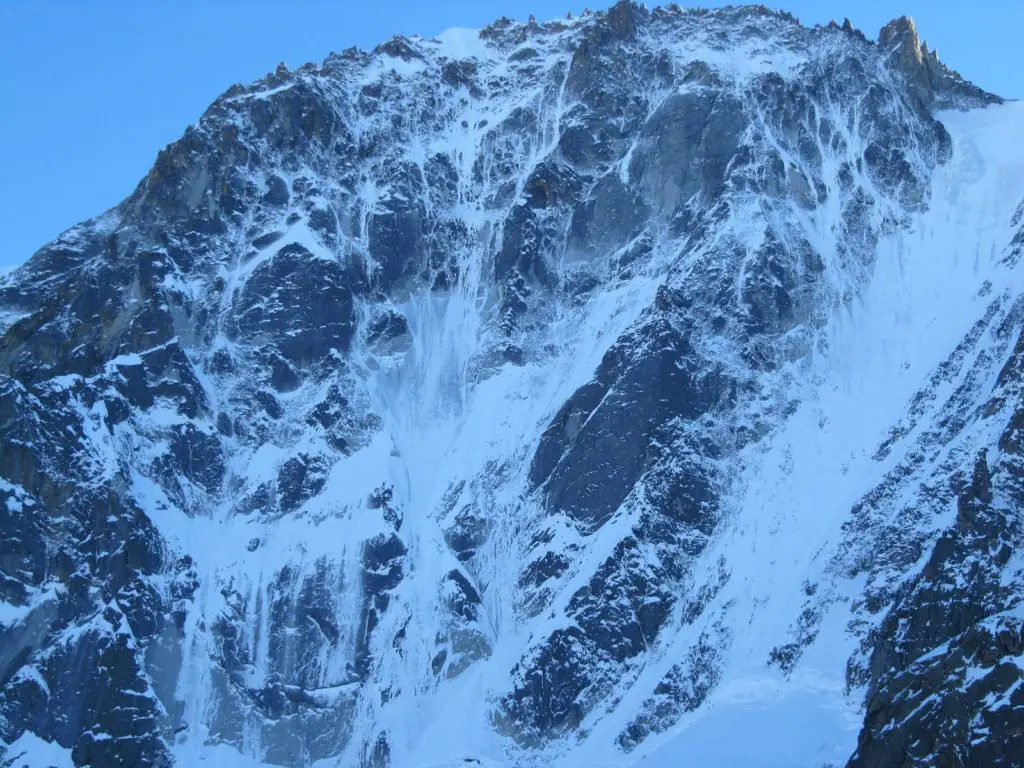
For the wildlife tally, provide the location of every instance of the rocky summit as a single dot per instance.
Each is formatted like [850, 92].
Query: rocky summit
[644, 387]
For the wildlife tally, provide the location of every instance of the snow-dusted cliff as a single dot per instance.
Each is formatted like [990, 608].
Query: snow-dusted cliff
[644, 387]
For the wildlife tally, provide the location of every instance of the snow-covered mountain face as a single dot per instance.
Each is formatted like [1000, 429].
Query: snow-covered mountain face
[641, 387]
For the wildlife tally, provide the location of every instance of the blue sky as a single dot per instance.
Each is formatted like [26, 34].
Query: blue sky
[90, 91]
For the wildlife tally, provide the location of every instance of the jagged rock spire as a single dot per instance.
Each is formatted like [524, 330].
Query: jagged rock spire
[622, 18]
[930, 80]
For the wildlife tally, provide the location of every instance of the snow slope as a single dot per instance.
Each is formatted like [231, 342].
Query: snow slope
[930, 286]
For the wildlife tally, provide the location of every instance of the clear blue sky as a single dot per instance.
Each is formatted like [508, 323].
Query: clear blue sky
[90, 91]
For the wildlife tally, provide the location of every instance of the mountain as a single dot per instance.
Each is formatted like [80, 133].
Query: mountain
[642, 388]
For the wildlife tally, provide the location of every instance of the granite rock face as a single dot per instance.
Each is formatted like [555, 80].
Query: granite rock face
[444, 402]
